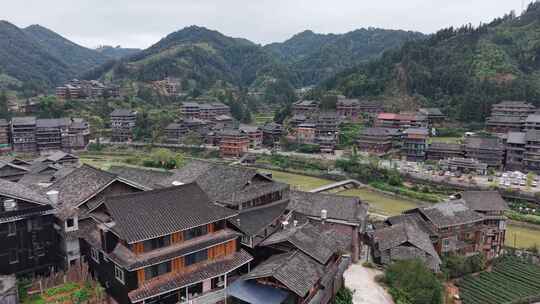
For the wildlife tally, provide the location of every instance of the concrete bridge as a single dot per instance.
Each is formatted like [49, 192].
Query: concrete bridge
[346, 184]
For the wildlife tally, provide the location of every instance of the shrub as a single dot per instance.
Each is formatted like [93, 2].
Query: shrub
[368, 265]
[457, 266]
[411, 281]
[344, 296]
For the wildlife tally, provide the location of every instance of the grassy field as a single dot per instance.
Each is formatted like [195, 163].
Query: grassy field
[524, 237]
[297, 181]
[380, 203]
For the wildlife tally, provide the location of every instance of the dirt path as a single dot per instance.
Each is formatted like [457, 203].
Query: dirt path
[361, 281]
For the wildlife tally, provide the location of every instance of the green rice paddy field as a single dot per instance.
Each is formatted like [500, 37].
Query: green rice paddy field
[517, 235]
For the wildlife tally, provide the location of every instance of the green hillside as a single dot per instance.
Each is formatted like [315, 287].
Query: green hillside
[315, 57]
[463, 70]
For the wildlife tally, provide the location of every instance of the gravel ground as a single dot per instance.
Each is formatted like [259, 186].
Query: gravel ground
[361, 281]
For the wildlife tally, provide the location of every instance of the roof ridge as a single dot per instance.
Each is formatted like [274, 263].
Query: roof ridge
[159, 190]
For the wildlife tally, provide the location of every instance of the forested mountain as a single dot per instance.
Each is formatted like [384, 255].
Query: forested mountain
[23, 58]
[315, 57]
[463, 70]
[75, 56]
[200, 57]
[40, 58]
[116, 52]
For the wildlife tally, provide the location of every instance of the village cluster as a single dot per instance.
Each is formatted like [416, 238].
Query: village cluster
[208, 232]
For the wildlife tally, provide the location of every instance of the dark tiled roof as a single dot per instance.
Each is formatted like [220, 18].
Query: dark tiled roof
[445, 146]
[504, 119]
[305, 103]
[123, 112]
[419, 131]
[396, 235]
[22, 192]
[516, 138]
[249, 129]
[431, 111]
[175, 281]
[483, 143]
[231, 132]
[308, 239]
[253, 221]
[348, 102]
[484, 200]
[52, 122]
[379, 132]
[223, 183]
[413, 219]
[345, 208]
[3, 123]
[534, 118]
[13, 166]
[532, 135]
[272, 127]
[145, 177]
[507, 103]
[451, 213]
[146, 215]
[293, 269]
[28, 120]
[81, 184]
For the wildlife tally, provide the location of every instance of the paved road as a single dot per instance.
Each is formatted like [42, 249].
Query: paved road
[361, 281]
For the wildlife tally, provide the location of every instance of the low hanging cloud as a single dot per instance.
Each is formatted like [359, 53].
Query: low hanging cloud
[140, 23]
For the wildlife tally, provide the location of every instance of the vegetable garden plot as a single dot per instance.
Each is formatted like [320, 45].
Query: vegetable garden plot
[511, 281]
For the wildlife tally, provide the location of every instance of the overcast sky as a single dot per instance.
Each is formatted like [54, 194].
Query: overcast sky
[140, 23]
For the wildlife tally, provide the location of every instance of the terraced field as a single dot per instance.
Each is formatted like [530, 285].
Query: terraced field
[510, 281]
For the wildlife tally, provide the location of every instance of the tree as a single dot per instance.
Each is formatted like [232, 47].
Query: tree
[4, 109]
[344, 296]
[411, 281]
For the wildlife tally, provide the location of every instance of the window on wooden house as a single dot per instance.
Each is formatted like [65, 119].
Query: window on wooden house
[12, 229]
[94, 253]
[157, 270]
[156, 243]
[195, 232]
[196, 257]
[119, 274]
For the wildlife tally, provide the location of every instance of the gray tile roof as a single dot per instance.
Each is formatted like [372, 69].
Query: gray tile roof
[392, 237]
[175, 281]
[534, 118]
[295, 270]
[81, 184]
[308, 239]
[445, 146]
[52, 122]
[431, 111]
[345, 208]
[516, 138]
[146, 177]
[484, 201]
[28, 120]
[492, 143]
[223, 183]
[451, 213]
[532, 135]
[123, 112]
[504, 119]
[22, 192]
[4, 123]
[253, 221]
[419, 131]
[146, 215]
[379, 132]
